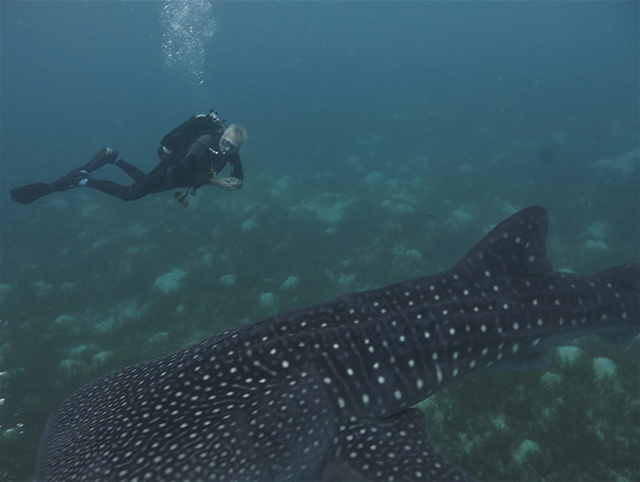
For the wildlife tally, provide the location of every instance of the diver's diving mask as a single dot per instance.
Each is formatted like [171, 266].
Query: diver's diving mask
[227, 147]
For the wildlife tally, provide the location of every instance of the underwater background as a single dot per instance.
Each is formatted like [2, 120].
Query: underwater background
[385, 139]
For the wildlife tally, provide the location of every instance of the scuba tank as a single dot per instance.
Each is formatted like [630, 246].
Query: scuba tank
[178, 141]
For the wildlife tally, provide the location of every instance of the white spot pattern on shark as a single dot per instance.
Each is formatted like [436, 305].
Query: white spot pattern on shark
[324, 393]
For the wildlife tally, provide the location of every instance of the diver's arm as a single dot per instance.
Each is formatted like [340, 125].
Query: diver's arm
[236, 167]
[217, 182]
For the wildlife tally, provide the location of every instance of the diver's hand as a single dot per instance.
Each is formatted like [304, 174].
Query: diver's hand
[227, 183]
[232, 183]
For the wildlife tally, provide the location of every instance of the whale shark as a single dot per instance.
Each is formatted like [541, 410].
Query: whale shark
[328, 392]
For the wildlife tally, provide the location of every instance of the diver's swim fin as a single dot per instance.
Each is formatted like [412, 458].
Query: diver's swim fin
[32, 192]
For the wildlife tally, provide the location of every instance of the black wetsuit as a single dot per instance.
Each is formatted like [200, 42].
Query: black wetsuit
[192, 160]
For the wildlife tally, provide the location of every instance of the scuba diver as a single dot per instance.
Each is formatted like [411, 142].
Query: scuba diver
[191, 156]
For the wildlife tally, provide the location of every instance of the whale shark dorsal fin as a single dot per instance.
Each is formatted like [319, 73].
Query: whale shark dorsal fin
[515, 247]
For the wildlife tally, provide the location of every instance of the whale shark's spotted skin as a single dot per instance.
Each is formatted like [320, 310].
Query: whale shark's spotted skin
[324, 393]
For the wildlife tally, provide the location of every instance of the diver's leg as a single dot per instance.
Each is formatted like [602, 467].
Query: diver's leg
[109, 156]
[71, 180]
[132, 171]
[33, 192]
[126, 193]
[80, 177]
[103, 157]
[145, 183]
